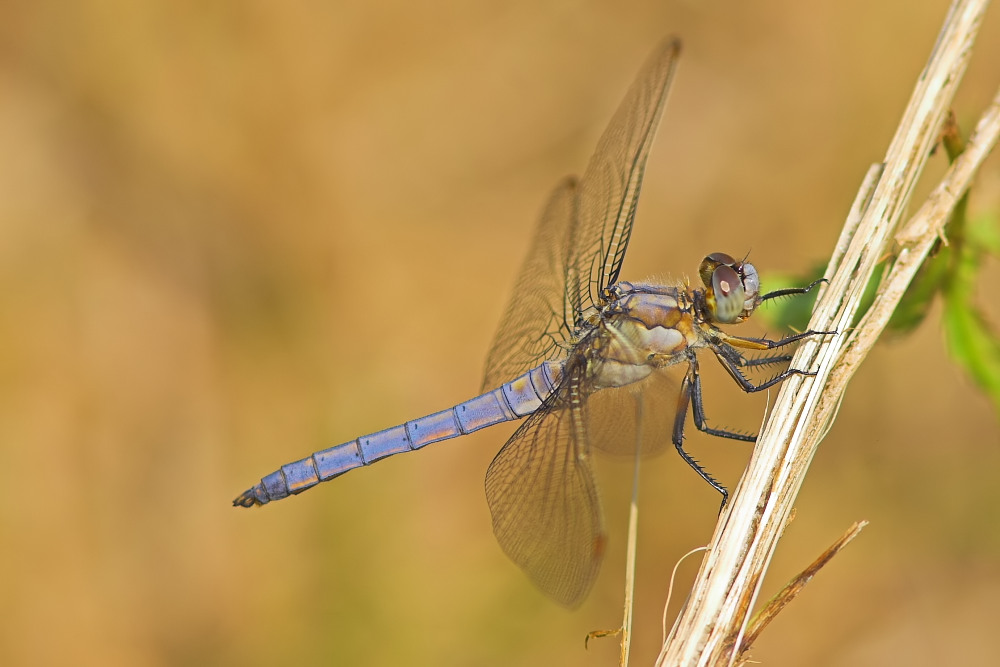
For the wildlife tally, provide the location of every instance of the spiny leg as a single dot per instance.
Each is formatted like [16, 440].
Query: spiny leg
[698, 410]
[767, 343]
[753, 362]
[725, 358]
[789, 291]
[691, 393]
[743, 361]
[732, 360]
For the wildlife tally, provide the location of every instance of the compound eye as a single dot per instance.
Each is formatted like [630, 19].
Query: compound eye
[721, 258]
[751, 287]
[729, 294]
[710, 263]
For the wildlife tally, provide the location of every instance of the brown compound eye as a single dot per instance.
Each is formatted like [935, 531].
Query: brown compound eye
[710, 263]
[732, 287]
[729, 294]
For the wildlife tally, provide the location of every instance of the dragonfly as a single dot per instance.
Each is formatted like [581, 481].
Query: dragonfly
[572, 335]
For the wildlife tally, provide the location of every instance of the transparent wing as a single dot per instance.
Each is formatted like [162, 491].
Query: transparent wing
[541, 492]
[540, 487]
[582, 237]
[609, 190]
[536, 325]
[640, 415]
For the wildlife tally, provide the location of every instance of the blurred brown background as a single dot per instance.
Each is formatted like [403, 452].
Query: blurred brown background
[235, 233]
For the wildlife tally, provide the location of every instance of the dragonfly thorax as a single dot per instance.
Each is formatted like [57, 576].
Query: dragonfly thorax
[648, 327]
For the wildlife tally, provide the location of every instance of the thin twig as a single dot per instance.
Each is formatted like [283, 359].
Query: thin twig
[625, 631]
[670, 588]
[715, 616]
[630, 558]
[633, 535]
[792, 589]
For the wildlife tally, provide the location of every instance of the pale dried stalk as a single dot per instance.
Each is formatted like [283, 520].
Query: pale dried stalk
[786, 595]
[714, 619]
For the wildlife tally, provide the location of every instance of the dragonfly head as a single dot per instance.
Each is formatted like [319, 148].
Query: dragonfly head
[732, 288]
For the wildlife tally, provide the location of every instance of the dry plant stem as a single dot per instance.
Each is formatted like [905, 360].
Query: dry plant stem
[791, 590]
[633, 533]
[918, 235]
[714, 618]
[625, 631]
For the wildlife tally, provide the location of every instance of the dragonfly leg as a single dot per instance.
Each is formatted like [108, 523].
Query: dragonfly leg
[767, 343]
[698, 411]
[691, 393]
[691, 396]
[725, 357]
[743, 361]
[765, 360]
[788, 291]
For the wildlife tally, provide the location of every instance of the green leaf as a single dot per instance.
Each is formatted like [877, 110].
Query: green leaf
[983, 233]
[919, 296]
[973, 346]
[971, 342]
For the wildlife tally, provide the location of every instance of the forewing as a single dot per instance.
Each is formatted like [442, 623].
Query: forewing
[541, 492]
[584, 232]
[609, 190]
[535, 325]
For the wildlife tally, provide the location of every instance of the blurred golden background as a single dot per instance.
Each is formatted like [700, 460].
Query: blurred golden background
[236, 233]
